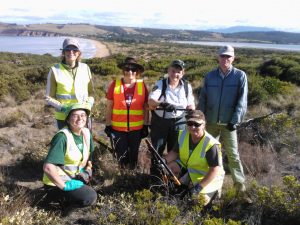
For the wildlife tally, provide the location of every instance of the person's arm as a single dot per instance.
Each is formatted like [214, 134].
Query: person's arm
[212, 173]
[171, 156]
[191, 99]
[241, 106]
[51, 86]
[202, 97]
[51, 171]
[153, 101]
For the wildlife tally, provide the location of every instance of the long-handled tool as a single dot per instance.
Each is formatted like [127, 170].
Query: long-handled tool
[167, 172]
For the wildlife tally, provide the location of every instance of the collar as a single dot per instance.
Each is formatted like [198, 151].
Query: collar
[229, 71]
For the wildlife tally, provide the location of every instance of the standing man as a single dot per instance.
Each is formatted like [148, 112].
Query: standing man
[223, 99]
[169, 98]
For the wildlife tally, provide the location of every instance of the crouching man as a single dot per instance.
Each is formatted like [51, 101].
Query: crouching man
[196, 159]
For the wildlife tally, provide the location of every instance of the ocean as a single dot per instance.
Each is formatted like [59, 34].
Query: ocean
[281, 47]
[43, 45]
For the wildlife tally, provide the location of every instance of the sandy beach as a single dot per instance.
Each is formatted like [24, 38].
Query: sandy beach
[102, 50]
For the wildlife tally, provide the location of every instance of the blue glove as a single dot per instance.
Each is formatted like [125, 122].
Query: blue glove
[72, 185]
[64, 108]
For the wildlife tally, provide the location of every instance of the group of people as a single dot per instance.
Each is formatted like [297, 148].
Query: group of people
[187, 137]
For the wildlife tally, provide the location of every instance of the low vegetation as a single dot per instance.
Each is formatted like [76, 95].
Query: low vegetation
[269, 140]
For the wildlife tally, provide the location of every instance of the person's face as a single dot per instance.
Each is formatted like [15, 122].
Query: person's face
[71, 53]
[130, 73]
[175, 74]
[196, 129]
[77, 119]
[225, 61]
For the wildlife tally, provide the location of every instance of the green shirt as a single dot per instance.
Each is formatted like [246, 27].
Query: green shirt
[58, 146]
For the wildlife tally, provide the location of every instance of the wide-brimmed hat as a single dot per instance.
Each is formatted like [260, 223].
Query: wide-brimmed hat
[84, 106]
[70, 41]
[195, 116]
[177, 63]
[131, 61]
[226, 50]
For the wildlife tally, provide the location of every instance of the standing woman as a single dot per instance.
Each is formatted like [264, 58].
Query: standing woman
[67, 167]
[126, 114]
[69, 81]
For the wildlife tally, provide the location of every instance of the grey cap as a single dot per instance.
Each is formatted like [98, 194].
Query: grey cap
[226, 50]
[70, 41]
[178, 63]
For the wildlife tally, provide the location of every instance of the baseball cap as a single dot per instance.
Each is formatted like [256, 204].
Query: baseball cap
[70, 41]
[195, 116]
[226, 50]
[177, 63]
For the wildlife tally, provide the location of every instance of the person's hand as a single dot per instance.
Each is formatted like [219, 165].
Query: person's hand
[167, 106]
[196, 190]
[145, 131]
[108, 130]
[231, 126]
[72, 185]
[90, 101]
[64, 108]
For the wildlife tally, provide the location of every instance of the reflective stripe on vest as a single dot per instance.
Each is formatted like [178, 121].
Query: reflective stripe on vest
[74, 159]
[132, 118]
[196, 163]
[68, 90]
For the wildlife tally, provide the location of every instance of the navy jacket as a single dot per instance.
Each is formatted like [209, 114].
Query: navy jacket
[224, 100]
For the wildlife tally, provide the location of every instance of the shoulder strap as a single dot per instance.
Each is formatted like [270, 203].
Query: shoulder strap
[164, 87]
[186, 87]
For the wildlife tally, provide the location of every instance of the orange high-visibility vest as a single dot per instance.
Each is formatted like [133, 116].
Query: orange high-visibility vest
[128, 118]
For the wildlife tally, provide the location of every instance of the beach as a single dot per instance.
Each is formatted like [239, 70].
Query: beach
[102, 50]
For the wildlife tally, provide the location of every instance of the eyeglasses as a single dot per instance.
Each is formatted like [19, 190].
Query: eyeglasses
[193, 124]
[71, 49]
[128, 68]
[79, 116]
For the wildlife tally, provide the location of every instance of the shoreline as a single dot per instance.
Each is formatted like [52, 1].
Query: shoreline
[101, 49]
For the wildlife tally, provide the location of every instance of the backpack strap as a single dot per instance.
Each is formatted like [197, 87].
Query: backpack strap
[164, 88]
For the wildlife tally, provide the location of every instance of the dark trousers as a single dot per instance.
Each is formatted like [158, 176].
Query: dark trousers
[81, 197]
[127, 147]
[165, 132]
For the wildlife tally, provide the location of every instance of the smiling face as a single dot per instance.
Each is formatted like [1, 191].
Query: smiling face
[175, 74]
[77, 120]
[71, 53]
[130, 73]
[196, 129]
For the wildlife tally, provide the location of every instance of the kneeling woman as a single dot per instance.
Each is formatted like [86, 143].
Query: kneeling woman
[197, 158]
[67, 168]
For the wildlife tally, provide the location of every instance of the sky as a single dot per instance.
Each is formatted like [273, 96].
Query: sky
[281, 15]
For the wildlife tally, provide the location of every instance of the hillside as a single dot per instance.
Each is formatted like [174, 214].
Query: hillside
[269, 141]
[132, 34]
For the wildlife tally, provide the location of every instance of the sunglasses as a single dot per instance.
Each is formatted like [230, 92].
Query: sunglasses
[193, 124]
[71, 49]
[225, 56]
[129, 68]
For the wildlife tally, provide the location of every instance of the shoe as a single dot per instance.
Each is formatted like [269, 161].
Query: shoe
[240, 187]
[242, 194]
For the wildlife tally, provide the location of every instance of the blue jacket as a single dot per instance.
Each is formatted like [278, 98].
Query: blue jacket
[224, 100]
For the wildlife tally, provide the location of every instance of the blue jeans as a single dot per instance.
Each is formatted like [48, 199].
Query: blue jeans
[229, 142]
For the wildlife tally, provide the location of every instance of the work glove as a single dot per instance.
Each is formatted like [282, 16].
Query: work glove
[72, 185]
[145, 131]
[194, 191]
[85, 174]
[167, 106]
[108, 130]
[231, 126]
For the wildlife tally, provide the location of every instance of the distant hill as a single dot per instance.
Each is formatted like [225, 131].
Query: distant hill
[236, 29]
[140, 35]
